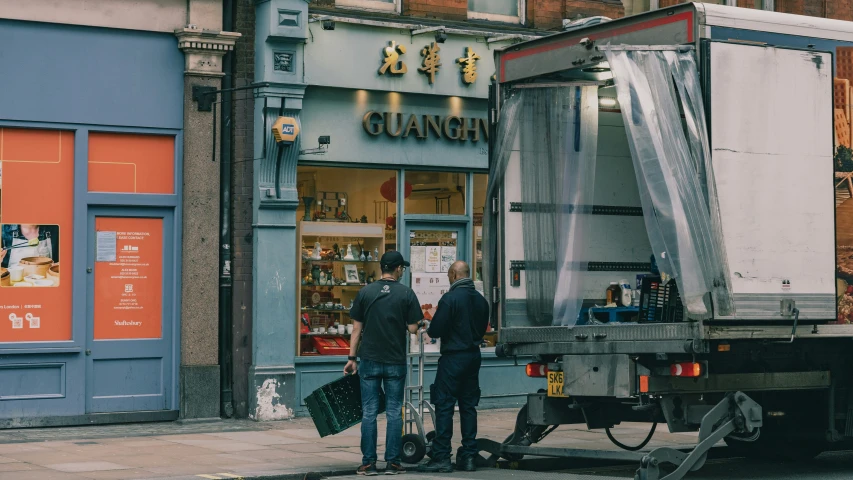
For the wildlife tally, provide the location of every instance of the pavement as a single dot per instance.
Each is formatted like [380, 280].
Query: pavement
[245, 449]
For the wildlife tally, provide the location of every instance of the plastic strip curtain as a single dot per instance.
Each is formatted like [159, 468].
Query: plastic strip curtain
[574, 203]
[558, 129]
[505, 137]
[672, 163]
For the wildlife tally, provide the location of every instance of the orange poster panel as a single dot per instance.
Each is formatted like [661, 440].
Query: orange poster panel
[131, 163]
[128, 278]
[36, 204]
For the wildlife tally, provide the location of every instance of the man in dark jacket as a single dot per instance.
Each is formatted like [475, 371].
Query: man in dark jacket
[460, 321]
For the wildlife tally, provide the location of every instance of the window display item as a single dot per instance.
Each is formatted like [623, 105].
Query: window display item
[362, 257]
[331, 345]
[613, 294]
[316, 255]
[351, 274]
[308, 201]
[350, 255]
[376, 254]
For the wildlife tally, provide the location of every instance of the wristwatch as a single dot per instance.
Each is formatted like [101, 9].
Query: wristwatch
[352, 359]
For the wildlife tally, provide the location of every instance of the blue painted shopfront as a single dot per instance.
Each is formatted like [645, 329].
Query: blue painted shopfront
[88, 81]
[329, 80]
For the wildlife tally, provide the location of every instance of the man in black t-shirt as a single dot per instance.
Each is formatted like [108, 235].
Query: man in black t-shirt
[383, 313]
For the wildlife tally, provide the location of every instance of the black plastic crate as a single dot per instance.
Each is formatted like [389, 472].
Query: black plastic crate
[336, 406]
[659, 302]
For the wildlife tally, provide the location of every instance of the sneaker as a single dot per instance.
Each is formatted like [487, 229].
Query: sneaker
[367, 470]
[394, 469]
[436, 466]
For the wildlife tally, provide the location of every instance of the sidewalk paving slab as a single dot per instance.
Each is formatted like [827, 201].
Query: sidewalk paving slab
[284, 450]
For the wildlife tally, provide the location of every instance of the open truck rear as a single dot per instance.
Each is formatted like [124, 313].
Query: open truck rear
[698, 143]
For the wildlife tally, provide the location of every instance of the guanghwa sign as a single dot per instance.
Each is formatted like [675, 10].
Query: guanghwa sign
[402, 125]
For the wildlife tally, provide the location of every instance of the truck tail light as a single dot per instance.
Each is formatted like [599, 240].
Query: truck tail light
[644, 384]
[537, 370]
[687, 369]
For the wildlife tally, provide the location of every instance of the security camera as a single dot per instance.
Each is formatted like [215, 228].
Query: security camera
[328, 24]
[440, 36]
[324, 141]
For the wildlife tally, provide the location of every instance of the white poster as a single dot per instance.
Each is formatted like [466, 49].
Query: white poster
[429, 287]
[433, 259]
[448, 257]
[418, 260]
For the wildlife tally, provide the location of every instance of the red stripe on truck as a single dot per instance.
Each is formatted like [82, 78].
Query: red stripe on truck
[681, 17]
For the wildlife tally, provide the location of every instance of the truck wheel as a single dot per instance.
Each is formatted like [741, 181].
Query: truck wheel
[414, 448]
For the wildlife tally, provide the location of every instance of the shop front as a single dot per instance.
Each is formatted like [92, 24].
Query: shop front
[393, 155]
[91, 188]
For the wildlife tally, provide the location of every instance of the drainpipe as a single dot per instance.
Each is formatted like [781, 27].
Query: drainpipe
[226, 319]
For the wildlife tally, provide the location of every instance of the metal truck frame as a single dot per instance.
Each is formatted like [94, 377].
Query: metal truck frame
[770, 385]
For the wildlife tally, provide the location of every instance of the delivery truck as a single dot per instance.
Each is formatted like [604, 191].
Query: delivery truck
[669, 232]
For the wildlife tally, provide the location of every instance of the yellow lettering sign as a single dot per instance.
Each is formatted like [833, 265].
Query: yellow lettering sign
[469, 66]
[432, 61]
[392, 60]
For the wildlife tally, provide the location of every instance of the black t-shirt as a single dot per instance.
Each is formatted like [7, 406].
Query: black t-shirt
[386, 308]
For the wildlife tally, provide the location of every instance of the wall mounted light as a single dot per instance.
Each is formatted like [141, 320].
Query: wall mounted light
[328, 24]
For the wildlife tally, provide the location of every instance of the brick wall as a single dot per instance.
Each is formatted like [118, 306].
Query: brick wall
[241, 203]
[442, 9]
[541, 14]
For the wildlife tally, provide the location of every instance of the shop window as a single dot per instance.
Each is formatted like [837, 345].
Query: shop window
[348, 220]
[37, 224]
[381, 5]
[435, 193]
[479, 199]
[508, 11]
[131, 163]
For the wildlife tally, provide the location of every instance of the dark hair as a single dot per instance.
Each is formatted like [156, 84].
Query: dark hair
[388, 268]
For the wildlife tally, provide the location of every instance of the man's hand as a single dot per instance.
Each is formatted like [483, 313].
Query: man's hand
[351, 367]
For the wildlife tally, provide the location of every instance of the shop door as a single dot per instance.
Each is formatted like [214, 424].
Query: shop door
[130, 288]
[431, 249]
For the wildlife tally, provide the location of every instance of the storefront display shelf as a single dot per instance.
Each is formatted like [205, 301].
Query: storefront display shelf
[317, 289]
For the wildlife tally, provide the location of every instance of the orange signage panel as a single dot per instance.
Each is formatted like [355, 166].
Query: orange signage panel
[128, 278]
[36, 205]
[131, 163]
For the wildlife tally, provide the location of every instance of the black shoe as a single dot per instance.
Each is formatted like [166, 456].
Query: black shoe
[367, 470]
[394, 469]
[436, 466]
[466, 463]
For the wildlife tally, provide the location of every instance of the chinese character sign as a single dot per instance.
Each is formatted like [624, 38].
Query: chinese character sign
[469, 66]
[432, 61]
[392, 60]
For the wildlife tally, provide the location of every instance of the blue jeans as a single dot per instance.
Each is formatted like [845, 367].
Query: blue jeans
[374, 376]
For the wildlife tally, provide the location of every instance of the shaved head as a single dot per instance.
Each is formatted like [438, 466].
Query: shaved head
[461, 269]
[458, 271]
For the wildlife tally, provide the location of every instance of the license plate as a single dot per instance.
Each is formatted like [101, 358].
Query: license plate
[555, 384]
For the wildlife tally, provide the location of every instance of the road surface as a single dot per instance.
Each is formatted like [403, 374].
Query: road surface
[829, 466]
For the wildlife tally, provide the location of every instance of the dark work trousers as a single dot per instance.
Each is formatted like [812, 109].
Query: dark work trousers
[457, 380]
